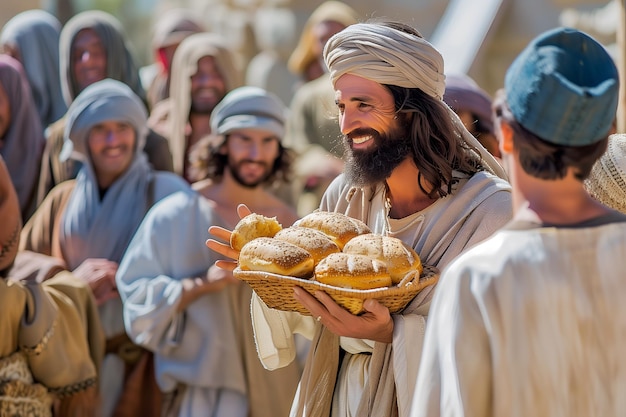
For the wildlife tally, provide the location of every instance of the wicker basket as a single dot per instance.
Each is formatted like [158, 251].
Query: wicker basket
[277, 291]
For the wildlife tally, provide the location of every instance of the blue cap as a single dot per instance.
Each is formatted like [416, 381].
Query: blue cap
[563, 87]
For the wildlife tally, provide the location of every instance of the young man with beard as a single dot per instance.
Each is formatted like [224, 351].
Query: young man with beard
[193, 315]
[203, 71]
[412, 171]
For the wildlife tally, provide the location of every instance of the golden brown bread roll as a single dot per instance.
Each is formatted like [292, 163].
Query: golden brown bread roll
[399, 257]
[352, 271]
[339, 227]
[276, 256]
[318, 244]
[251, 227]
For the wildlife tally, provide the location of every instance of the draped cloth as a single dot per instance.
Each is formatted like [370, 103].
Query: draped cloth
[88, 221]
[36, 35]
[393, 57]
[184, 65]
[438, 234]
[121, 65]
[22, 144]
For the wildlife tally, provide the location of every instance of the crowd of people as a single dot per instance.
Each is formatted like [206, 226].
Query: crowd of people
[119, 187]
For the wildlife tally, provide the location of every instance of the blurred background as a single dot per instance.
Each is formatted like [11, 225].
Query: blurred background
[477, 37]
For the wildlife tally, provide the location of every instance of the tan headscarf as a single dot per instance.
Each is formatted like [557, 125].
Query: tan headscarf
[184, 65]
[389, 56]
[333, 11]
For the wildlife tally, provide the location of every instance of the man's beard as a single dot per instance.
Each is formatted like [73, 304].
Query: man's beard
[233, 167]
[371, 166]
[205, 107]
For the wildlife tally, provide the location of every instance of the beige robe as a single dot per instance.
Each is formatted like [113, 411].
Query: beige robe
[51, 341]
[529, 323]
[377, 379]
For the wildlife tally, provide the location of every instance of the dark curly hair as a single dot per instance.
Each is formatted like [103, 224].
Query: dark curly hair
[206, 161]
[436, 143]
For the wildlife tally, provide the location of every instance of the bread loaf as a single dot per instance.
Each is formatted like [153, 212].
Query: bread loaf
[251, 227]
[276, 256]
[352, 271]
[318, 244]
[399, 257]
[339, 227]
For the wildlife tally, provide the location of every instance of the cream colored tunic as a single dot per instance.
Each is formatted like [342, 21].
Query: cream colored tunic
[530, 323]
[479, 207]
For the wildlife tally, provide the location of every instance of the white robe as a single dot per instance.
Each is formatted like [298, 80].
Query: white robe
[529, 323]
[479, 206]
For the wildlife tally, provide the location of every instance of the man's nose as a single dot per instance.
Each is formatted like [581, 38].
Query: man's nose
[348, 122]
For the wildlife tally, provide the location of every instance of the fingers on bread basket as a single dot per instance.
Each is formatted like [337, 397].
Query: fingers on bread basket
[330, 252]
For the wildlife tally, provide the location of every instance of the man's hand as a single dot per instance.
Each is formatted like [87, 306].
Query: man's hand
[225, 248]
[375, 324]
[100, 275]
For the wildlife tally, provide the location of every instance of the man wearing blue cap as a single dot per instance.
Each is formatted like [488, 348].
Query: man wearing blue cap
[532, 322]
[194, 316]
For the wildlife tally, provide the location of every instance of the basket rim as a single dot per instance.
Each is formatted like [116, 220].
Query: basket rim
[429, 276]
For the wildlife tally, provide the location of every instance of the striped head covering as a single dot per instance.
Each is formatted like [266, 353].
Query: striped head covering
[390, 56]
[607, 180]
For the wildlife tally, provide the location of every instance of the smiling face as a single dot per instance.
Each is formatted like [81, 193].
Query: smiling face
[111, 147]
[89, 59]
[374, 138]
[207, 86]
[251, 155]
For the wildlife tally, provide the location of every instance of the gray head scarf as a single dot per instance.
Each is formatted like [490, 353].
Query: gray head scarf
[121, 64]
[35, 33]
[389, 56]
[101, 228]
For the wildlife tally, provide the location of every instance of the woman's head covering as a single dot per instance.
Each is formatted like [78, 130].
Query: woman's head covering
[185, 64]
[387, 55]
[36, 35]
[11, 219]
[303, 54]
[101, 101]
[607, 180]
[23, 143]
[121, 64]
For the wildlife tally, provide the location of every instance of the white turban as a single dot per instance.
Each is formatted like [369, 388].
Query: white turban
[386, 56]
[389, 56]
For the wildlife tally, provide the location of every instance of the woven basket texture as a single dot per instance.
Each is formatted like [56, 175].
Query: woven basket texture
[277, 291]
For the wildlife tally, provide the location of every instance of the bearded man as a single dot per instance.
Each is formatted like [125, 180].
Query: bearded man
[203, 71]
[412, 171]
[193, 315]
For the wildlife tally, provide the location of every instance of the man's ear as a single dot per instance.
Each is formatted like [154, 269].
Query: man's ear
[506, 138]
